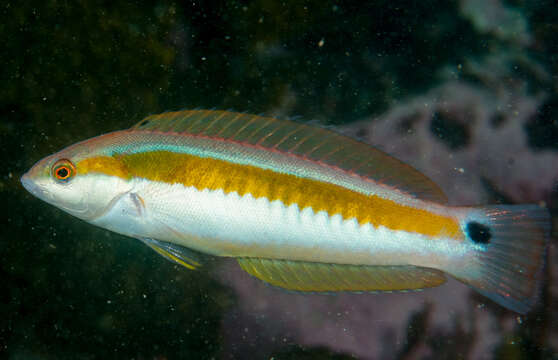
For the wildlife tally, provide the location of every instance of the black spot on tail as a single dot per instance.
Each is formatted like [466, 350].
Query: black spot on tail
[144, 122]
[479, 233]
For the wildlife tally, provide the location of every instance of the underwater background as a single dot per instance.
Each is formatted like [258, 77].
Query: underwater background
[465, 91]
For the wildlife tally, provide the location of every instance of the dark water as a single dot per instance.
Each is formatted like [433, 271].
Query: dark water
[466, 92]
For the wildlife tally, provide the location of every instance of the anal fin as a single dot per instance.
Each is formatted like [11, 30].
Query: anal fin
[321, 277]
[180, 255]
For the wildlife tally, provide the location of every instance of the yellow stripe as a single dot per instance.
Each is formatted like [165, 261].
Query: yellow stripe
[213, 174]
[103, 164]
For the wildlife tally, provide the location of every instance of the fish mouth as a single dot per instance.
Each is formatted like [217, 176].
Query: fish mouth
[33, 188]
[79, 210]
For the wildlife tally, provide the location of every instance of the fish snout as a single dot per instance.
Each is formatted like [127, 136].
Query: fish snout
[33, 187]
[27, 183]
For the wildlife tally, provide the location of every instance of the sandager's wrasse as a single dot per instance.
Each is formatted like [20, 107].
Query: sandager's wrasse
[300, 207]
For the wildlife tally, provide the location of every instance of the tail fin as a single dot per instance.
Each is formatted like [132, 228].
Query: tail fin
[510, 243]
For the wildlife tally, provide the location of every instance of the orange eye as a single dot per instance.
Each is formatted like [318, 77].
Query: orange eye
[63, 170]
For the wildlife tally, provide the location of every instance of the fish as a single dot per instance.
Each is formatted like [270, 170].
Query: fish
[299, 207]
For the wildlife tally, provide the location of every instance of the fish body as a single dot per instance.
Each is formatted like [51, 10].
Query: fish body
[300, 207]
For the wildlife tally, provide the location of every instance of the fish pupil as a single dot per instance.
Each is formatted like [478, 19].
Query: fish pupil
[479, 233]
[63, 173]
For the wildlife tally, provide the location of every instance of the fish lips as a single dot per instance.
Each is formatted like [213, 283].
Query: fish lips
[80, 209]
[34, 188]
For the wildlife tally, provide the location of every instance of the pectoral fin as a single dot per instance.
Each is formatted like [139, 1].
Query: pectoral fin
[180, 255]
[320, 277]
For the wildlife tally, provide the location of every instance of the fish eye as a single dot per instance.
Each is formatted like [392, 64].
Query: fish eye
[63, 170]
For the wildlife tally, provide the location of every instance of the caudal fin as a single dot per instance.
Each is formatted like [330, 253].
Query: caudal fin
[510, 243]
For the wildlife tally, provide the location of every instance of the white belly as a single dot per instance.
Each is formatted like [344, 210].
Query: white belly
[231, 225]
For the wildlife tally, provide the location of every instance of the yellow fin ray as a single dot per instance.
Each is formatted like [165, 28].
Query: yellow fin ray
[175, 253]
[321, 277]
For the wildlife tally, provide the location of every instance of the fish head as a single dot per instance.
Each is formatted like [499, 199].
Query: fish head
[78, 180]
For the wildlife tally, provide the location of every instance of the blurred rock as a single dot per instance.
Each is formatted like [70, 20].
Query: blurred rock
[463, 137]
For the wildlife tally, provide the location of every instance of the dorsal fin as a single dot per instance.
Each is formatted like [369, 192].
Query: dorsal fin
[314, 143]
[319, 277]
